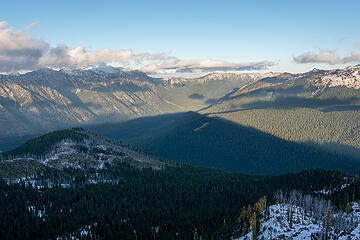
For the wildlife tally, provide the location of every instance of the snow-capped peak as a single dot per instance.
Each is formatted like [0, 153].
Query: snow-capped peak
[348, 77]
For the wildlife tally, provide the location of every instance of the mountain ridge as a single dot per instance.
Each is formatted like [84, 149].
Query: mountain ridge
[70, 148]
[40, 101]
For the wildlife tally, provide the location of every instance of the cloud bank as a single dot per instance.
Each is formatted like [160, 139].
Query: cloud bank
[20, 51]
[354, 57]
[209, 65]
[326, 56]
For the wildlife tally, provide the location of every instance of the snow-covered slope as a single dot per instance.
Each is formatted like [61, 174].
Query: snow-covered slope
[277, 225]
[348, 77]
[250, 77]
[85, 151]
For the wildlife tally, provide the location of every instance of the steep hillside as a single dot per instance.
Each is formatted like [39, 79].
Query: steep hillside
[132, 131]
[48, 99]
[318, 106]
[215, 142]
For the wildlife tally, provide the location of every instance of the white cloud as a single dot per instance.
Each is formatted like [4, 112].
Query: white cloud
[30, 26]
[324, 56]
[80, 56]
[354, 57]
[327, 56]
[3, 24]
[208, 65]
[21, 51]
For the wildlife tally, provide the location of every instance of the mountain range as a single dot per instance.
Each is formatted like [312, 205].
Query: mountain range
[37, 102]
[317, 109]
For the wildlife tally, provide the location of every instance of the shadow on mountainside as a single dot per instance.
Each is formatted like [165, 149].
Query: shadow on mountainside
[214, 142]
[338, 148]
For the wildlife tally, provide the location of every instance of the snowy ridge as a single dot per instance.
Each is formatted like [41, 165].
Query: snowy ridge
[348, 77]
[222, 76]
[304, 217]
[92, 152]
[74, 76]
[240, 77]
[278, 227]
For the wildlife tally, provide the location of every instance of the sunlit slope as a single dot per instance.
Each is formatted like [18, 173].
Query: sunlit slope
[301, 109]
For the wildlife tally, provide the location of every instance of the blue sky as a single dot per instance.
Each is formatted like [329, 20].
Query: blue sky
[230, 31]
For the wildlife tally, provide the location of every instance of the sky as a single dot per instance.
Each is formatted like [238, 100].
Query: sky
[180, 37]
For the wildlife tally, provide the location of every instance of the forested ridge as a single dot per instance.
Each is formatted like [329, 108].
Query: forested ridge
[174, 203]
[334, 131]
[163, 200]
[41, 145]
[298, 110]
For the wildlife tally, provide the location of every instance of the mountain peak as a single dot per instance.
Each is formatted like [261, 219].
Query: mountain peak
[348, 77]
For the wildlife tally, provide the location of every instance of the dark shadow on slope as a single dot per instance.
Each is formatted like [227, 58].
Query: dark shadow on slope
[337, 148]
[10, 142]
[214, 142]
[298, 102]
[212, 101]
[134, 129]
[196, 96]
